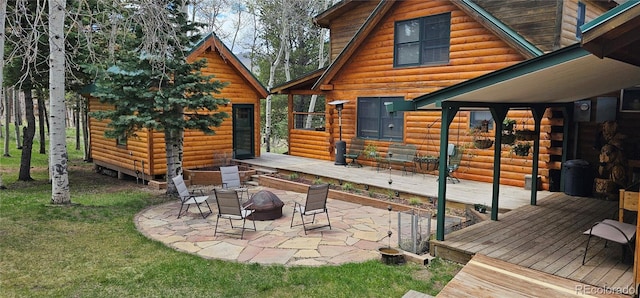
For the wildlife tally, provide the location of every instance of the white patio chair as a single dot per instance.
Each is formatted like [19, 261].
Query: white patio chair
[186, 198]
[231, 180]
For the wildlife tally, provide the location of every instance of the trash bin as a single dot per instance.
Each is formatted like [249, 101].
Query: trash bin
[578, 178]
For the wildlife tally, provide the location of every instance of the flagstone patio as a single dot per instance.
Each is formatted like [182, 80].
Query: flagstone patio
[356, 233]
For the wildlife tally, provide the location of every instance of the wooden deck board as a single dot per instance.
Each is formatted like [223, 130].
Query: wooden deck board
[514, 220]
[539, 243]
[488, 277]
[549, 238]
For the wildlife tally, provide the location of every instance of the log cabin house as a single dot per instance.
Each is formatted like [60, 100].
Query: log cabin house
[237, 137]
[607, 60]
[377, 57]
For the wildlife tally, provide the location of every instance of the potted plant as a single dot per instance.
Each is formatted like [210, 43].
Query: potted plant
[371, 152]
[431, 162]
[480, 140]
[508, 124]
[525, 135]
[508, 138]
[521, 148]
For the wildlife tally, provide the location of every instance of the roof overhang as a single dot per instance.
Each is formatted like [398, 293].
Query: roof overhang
[299, 85]
[562, 76]
[615, 34]
[325, 18]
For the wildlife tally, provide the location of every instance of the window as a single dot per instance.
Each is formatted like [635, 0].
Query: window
[121, 141]
[476, 118]
[582, 8]
[374, 122]
[302, 118]
[422, 41]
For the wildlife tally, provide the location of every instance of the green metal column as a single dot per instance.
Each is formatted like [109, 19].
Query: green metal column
[498, 112]
[448, 113]
[538, 112]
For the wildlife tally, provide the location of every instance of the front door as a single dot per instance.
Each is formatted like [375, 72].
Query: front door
[243, 131]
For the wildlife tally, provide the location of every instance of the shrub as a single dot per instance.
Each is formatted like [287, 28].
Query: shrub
[415, 201]
[347, 187]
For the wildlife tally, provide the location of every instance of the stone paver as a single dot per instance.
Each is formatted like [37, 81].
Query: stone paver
[355, 235]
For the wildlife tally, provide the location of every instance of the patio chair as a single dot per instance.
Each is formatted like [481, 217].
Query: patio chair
[355, 149]
[229, 207]
[616, 230]
[231, 180]
[186, 198]
[316, 203]
[454, 156]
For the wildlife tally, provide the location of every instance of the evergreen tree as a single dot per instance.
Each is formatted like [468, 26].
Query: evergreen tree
[160, 91]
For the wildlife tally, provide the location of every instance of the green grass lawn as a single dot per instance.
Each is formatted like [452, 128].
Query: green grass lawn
[92, 249]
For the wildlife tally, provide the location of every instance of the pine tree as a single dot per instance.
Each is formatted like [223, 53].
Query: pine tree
[160, 91]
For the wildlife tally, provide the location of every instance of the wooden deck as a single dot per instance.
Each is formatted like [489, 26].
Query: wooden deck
[546, 238]
[488, 277]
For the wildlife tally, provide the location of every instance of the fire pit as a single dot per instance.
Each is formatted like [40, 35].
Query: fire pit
[265, 206]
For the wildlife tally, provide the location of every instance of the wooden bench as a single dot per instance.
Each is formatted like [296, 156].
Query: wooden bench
[403, 155]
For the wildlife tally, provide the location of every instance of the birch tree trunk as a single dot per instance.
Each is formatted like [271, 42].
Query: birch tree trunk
[3, 15]
[272, 78]
[7, 113]
[58, 146]
[173, 144]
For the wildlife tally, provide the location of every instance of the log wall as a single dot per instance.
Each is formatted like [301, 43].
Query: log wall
[199, 149]
[570, 19]
[474, 51]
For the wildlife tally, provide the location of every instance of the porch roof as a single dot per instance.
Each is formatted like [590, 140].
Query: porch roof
[614, 34]
[302, 83]
[562, 76]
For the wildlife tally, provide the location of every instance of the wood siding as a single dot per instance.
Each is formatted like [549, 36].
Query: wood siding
[312, 144]
[570, 19]
[199, 149]
[534, 20]
[342, 29]
[369, 72]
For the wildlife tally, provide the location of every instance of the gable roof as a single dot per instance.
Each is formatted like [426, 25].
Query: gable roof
[483, 17]
[212, 42]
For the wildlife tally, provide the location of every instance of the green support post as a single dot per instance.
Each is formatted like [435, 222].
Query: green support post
[538, 112]
[498, 112]
[448, 113]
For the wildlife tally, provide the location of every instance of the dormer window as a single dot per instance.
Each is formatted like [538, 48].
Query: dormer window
[422, 41]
